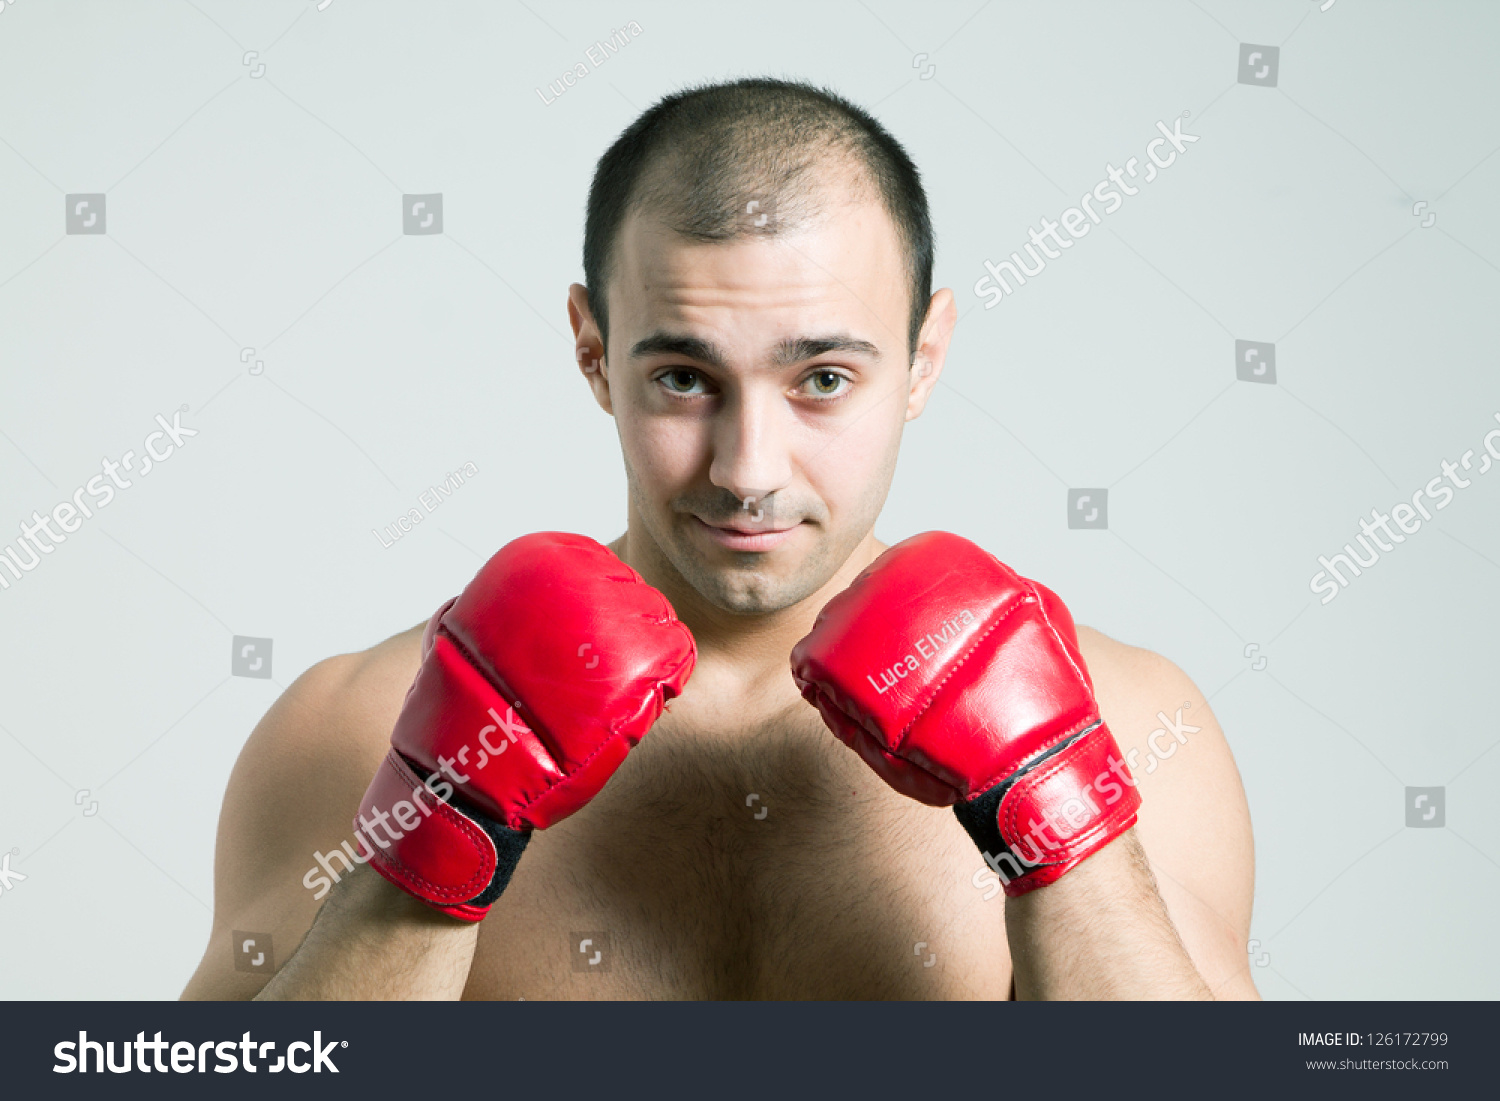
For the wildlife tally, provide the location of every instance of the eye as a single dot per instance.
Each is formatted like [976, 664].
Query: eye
[825, 383]
[680, 380]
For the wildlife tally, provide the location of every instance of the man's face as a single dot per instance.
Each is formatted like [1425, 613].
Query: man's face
[759, 388]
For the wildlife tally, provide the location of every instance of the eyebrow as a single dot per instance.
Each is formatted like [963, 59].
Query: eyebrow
[787, 352]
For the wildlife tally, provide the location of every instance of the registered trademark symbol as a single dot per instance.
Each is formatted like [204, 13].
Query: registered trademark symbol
[343, 1043]
[1185, 114]
[15, 850]
[182, 409]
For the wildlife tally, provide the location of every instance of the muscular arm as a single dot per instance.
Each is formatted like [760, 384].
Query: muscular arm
[1102, 931]
[371, 941]
[293, 794]
[1164, 910]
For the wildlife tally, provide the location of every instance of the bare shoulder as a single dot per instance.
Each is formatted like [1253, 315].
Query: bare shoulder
[1141, 694]
[333, 720]
[1194, 821]
[292, 794]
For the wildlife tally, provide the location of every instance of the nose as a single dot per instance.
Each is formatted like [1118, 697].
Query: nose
[752, 455]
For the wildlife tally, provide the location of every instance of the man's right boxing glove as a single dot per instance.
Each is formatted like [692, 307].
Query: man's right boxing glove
[535, 682]
[962, 683]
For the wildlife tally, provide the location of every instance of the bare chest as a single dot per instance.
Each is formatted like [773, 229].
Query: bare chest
[766, 863]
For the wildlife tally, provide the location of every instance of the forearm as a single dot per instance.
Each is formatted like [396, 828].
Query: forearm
[1101, 931]
[372, 941]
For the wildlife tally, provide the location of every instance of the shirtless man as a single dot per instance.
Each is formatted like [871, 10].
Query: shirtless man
[765, 255]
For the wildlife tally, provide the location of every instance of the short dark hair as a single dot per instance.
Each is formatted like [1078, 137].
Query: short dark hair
[697, 155]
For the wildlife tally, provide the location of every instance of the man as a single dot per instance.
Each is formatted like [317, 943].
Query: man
[759, 321]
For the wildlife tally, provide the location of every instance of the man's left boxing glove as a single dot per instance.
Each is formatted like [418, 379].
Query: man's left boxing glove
[960, 682]
[534, 684]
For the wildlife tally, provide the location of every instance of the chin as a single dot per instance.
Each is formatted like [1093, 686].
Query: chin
[752, 591]
[732, 590]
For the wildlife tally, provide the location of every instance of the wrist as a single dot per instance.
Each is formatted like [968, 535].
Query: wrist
[374, 900]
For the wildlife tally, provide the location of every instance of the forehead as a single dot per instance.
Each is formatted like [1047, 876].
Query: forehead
[843, 264]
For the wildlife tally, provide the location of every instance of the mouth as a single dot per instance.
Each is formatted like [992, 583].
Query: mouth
[746, 539]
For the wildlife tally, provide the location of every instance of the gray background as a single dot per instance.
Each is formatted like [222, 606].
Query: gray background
[264, 212]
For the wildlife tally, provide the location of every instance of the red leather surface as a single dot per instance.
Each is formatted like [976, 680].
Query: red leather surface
[947, 672]
[1100, 810]
[535, 683]
[445, 860]
[551, 664]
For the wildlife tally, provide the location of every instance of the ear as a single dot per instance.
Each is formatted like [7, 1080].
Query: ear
[932, 350]
[588, 345]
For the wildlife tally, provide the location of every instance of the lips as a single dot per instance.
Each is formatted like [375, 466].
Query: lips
[746, 539]
[749, 531]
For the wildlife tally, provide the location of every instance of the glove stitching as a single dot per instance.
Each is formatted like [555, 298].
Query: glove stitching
[1047, 619]
[938, 686]
[543, 736]
[1025, 788]
[1077, 673]
[932, 690]
[612, 733]
[1082, 681]
[512, 699]
[467, 830]
[1067, 732]
[1034, 779]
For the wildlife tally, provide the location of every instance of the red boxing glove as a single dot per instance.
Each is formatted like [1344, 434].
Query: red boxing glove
[535, 683]
[960, 682]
